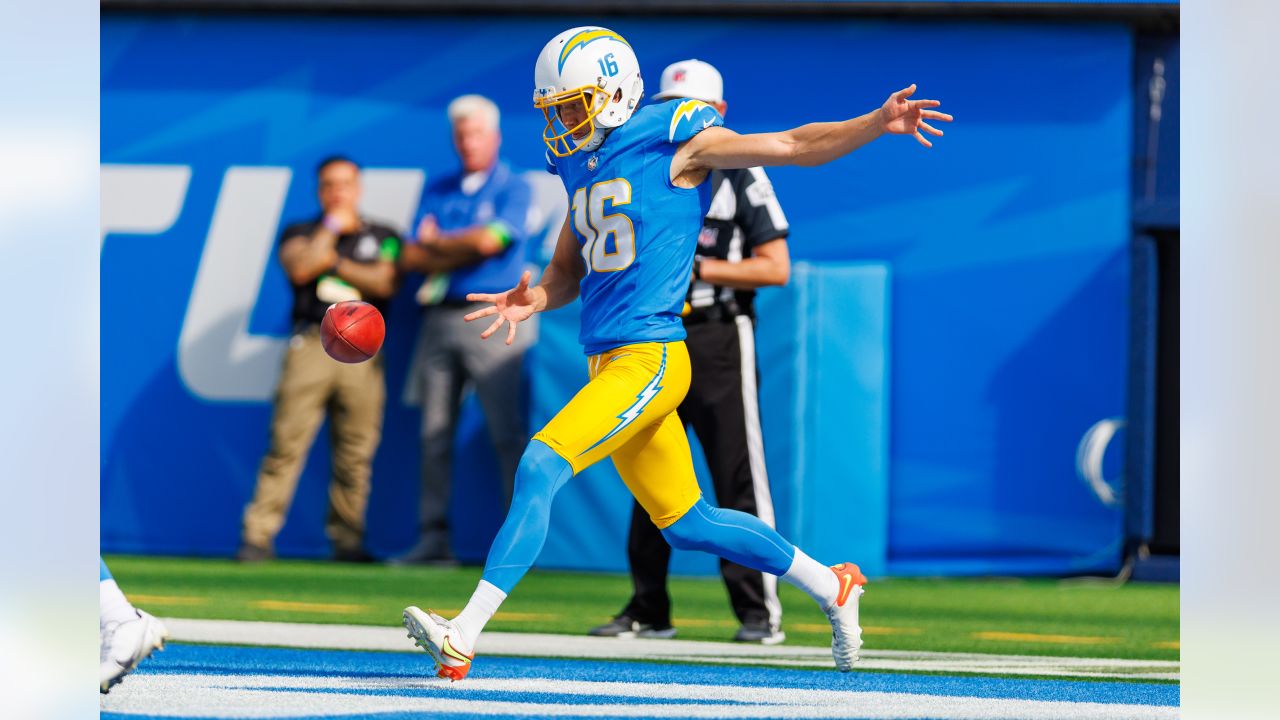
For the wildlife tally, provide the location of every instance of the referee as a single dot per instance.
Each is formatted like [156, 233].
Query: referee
[742, 247]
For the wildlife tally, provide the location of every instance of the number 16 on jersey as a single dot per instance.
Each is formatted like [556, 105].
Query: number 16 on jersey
[600, 252]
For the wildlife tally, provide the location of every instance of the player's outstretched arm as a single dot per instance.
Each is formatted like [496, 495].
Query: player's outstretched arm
[812, 144]
[558, 287]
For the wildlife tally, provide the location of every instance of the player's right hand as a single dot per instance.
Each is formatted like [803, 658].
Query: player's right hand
[513, 307]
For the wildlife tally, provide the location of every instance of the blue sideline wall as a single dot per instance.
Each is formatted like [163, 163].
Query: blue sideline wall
[1004, 252]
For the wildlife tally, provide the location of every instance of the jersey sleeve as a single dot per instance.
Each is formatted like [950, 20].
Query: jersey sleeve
[690, 117]
[551, 163]
[759, 214]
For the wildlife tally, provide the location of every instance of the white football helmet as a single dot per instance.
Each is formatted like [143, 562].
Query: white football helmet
[591, 65]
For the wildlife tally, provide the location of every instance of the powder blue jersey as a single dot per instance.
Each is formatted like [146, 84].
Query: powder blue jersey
[637, 230]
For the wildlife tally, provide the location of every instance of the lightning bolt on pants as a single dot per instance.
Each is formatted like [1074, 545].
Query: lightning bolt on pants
[627, 410]
[632, 394]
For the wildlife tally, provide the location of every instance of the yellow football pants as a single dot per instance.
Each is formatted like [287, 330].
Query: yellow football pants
[627, 411]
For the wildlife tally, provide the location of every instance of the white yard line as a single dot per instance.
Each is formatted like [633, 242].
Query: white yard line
[264, 696]
[364, 637]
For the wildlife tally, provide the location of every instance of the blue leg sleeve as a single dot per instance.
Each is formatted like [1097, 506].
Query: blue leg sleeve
[104, 573]
[733, 535]
[540, 475]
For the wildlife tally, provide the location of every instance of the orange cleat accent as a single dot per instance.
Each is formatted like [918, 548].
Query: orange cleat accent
[846, 634]
[848, 575]
[431, 633]
[454, 672]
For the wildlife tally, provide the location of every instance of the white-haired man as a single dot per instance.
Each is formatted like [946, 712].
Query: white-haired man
[470, 239]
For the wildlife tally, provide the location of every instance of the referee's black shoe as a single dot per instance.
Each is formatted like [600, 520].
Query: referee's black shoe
[352, 555]
[625, 627]
[762, 633]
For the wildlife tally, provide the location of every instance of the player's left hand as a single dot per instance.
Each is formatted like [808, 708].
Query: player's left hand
[513, 306]
[902, 116]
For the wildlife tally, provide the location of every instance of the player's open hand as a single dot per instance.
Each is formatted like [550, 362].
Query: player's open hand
[513, 307]
[902, 116]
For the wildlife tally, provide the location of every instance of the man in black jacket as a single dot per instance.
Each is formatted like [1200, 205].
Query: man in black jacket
[336, 256]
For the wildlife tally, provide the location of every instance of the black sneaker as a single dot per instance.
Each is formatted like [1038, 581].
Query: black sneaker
[255, 553]
[625, 627]
[761, 633]
[352, 555]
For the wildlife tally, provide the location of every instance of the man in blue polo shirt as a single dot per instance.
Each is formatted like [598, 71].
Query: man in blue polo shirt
[470, 239]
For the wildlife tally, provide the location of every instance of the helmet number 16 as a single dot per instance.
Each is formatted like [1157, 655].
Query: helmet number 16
[608, 66]
[595, 226]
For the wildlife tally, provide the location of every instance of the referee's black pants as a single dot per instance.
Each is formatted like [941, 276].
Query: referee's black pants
[722, 407]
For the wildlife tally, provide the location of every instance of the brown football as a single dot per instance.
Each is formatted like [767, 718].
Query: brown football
[352, 331]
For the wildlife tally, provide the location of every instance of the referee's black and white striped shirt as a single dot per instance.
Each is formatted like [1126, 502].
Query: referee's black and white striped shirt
[744, 214]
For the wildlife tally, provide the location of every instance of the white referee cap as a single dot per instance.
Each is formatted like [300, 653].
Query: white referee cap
[691, 79]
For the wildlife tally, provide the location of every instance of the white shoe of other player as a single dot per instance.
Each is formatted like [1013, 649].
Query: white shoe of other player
[439, 637]
[846, 634]
[125, 644]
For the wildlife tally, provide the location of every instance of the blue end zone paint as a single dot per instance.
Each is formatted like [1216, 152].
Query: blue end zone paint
[234, 661]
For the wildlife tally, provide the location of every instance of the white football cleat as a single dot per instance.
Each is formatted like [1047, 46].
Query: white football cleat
[125, 644]
[439, 637]
[846, 634]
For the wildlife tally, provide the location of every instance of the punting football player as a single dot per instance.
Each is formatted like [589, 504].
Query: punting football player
[635, 179]
[127, 635]
[742, 246]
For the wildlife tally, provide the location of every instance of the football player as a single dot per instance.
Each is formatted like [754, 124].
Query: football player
[127, 635]
[635, 179]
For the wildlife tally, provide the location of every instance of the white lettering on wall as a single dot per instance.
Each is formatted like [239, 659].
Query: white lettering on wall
[391, 196]
[218, 358]
[142, 199]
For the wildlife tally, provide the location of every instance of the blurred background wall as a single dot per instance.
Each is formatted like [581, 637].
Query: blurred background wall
[960, 319]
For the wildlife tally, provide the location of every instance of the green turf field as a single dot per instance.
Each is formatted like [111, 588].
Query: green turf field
[1026, 617]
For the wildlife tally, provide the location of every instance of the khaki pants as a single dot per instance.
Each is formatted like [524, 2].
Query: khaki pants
[312, 384]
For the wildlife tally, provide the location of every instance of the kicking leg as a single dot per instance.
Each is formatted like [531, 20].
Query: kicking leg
[746, 540]
[658, 469]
